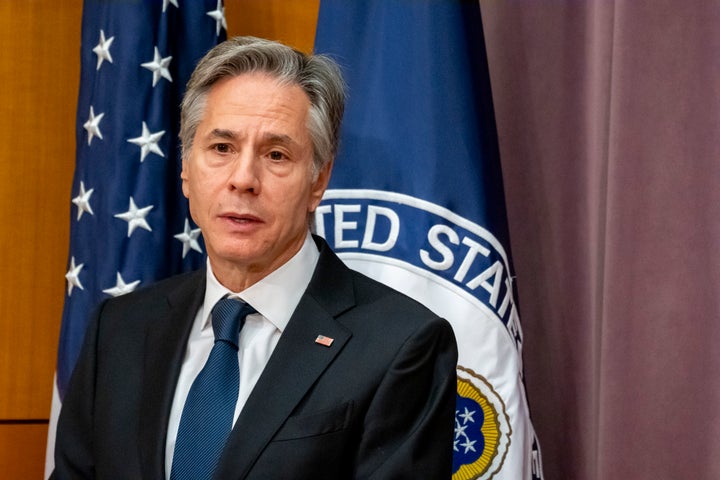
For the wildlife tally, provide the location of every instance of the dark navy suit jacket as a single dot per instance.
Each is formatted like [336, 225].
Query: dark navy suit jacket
[377, 404]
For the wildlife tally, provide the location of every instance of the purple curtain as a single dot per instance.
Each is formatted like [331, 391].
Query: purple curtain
[609, 125]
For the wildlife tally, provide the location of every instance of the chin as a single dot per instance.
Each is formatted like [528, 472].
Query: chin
[236, 252]
[238, 256]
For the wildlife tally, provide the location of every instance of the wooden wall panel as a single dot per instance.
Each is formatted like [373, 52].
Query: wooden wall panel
[39, 71]
[22, 451]
[289, 21]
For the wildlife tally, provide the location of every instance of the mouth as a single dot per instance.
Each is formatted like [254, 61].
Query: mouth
[240, 219]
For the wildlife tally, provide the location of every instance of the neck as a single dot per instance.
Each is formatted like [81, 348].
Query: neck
[236, 276]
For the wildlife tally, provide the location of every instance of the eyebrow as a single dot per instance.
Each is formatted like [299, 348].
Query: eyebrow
[278, 138]
[281, 139]
[222, 133]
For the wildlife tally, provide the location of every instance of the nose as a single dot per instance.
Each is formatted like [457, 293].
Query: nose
[244, 175]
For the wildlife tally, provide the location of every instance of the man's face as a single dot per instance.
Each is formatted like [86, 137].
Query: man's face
[249, 177]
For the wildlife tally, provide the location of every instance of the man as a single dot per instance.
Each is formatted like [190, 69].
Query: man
[339, 377]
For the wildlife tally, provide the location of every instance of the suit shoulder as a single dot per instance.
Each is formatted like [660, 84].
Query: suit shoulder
[381, 308]
[384, 316]
[369, 290]
[339, 287]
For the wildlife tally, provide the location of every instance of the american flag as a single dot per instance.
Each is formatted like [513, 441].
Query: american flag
[323, 340]
[130, 223]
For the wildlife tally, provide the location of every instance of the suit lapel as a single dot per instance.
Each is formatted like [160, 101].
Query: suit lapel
[294, 366]
[165, 342]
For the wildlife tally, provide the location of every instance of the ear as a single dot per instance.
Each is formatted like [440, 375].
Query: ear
[319, 186]
[184, 176]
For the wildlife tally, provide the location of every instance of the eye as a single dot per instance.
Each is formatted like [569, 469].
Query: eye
[276, 155]
[221, 148]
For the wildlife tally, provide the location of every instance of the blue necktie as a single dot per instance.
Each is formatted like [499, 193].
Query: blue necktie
[207, 416]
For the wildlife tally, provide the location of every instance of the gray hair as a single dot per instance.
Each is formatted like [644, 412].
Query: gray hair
[317, 75]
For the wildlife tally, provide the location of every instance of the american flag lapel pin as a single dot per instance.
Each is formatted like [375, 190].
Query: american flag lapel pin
[323, 340]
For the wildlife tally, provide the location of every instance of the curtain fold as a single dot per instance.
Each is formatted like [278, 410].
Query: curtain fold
[608, 117]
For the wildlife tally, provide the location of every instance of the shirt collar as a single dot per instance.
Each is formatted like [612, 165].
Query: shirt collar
[277, 295]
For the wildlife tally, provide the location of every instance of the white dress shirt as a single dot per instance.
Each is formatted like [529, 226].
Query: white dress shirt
[275, 298]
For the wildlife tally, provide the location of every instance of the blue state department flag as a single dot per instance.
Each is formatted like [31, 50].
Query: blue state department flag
[130, 224]
[416, 201]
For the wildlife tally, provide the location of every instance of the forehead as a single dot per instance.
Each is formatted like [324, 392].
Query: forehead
[258, 94]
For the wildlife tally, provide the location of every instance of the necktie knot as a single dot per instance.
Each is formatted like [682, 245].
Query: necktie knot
[228, 316]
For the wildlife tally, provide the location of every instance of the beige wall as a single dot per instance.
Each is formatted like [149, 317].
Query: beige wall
[39, 71]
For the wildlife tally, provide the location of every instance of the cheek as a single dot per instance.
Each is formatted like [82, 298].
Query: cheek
[199, 193]
[292, 205]
[193, 180]
[199, 183]
[292, 208]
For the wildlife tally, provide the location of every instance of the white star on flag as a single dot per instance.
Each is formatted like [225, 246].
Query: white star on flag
[469, 445]
[189, 238]
[93, 125]
[148, 142]
[219, 16]
[158, 67]
[83, 201]
[121, 288]
[102, 49]
[73, 276]
[166, 2]
[467, 416]
[135, 217]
